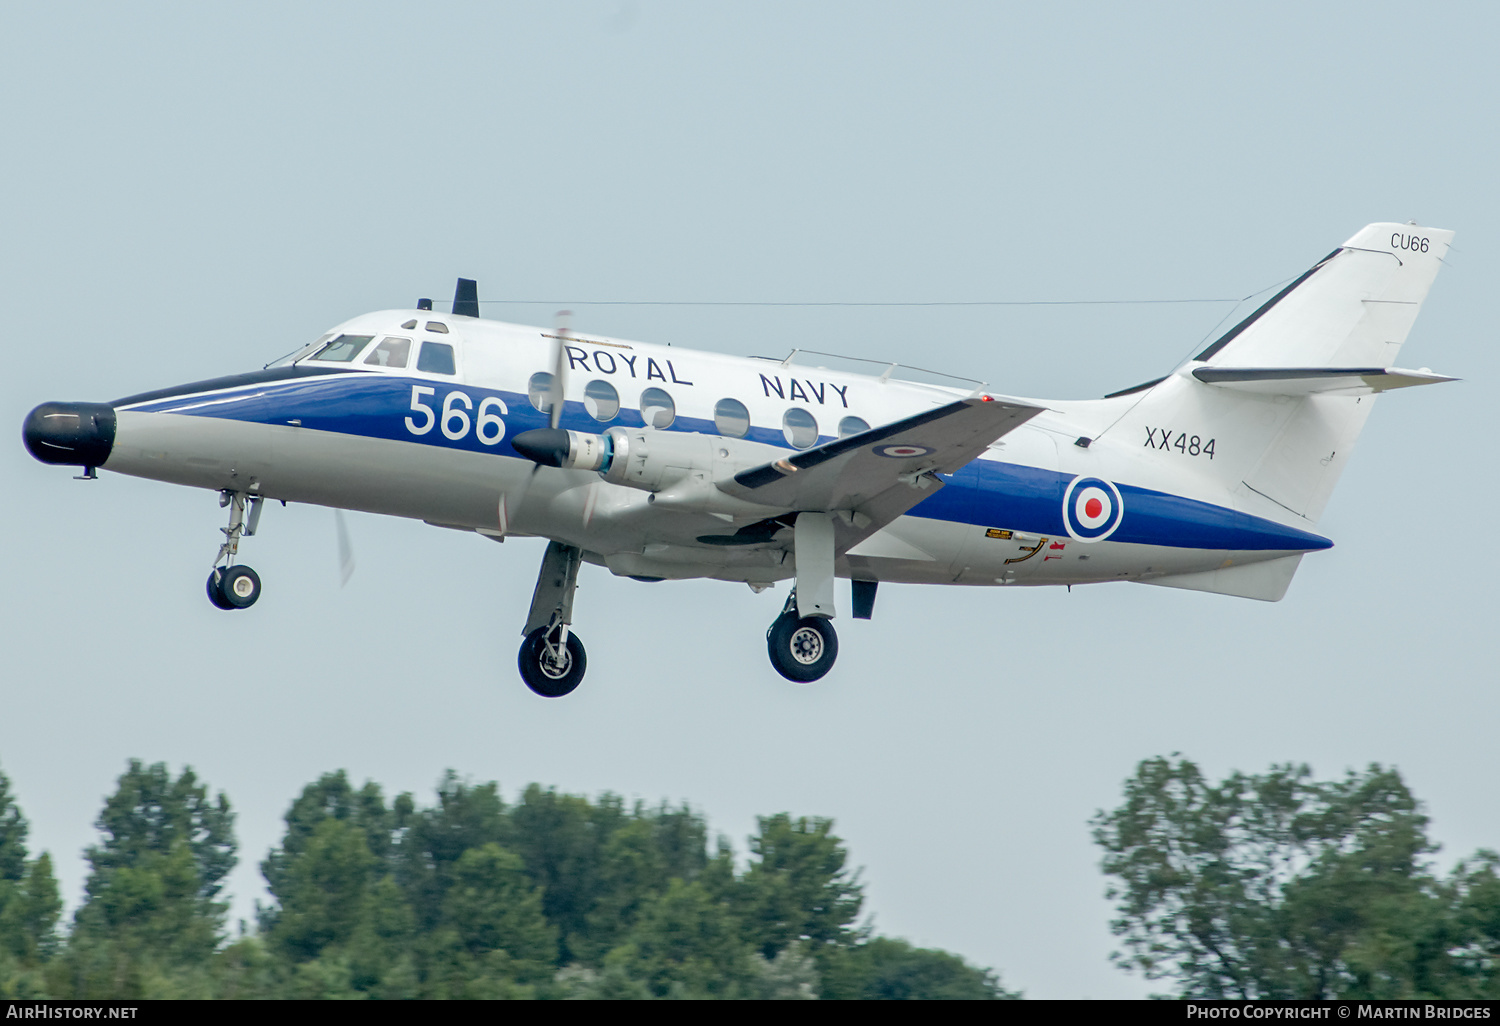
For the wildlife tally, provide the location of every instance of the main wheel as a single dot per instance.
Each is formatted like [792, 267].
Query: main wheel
[215, 579]
[802, 650]
[239, 586]
[549, 669]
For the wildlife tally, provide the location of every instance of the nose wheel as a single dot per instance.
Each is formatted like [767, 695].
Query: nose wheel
[233, 586]
[802, 649]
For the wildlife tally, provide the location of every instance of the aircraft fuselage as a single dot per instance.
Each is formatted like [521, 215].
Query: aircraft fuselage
[436, 446]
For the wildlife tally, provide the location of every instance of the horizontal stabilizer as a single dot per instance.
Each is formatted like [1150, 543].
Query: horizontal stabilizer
[1300, 381]
[1267, 580]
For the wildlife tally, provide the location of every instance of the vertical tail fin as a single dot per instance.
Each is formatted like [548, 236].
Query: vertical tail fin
[1284, 394]
[1353, 308]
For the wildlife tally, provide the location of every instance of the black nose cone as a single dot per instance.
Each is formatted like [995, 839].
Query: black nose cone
[546, 446]
[73, 434]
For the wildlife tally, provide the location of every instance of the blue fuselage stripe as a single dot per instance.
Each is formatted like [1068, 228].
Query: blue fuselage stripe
[985, 493]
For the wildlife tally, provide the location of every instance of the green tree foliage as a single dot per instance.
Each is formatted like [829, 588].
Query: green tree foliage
[798, 887]
[29, 906]
[556, 896]
[882, 969]
[687, 944]
[1280, 886]
[388, 901]
[152, 922]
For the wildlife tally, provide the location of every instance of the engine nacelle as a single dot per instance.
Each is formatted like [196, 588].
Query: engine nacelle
[680, 469]
[655, 460]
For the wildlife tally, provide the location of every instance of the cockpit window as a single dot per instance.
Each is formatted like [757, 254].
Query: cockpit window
[343, 349]
[392, 352]
[409, 324]
[437, 326]
[436, 358]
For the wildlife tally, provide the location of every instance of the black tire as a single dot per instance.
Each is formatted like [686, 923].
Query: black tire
[802, 650]
[239, 586]
[545, 677]
[214, 594]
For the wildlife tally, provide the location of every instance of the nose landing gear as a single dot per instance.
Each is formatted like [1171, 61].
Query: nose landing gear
[231, 586]
[802, 649]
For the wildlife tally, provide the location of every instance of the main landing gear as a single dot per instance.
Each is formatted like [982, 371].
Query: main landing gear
[231, 586]
[552, 659]
[802, 648]
[801, 642]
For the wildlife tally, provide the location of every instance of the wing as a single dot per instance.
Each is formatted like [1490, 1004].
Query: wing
[876, 476]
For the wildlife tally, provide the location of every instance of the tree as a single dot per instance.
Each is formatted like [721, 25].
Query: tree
[798, 888]
[342, 923]
[29, 906]
[1280, 886]
[435, 840]
[883, 969]
[556, 896]
[687, 944]
[561, 840]
[637, 864]
[493, 938]
[152, 919]
[1473, 898]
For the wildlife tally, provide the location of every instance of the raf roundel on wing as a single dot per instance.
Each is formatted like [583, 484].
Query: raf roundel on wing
[1092, 509]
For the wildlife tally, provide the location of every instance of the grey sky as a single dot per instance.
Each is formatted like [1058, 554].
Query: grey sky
[193, 190]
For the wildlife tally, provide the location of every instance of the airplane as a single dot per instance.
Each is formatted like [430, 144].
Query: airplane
[663, 463]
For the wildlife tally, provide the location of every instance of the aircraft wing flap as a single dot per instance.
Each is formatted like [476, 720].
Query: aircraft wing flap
[852, 473]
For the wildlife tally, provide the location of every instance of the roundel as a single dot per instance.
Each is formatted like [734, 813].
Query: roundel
[1092, 509]
[901, 452]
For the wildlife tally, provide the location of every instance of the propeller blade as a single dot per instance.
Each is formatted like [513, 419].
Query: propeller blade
[559, 369]
[346, 550]
[512, 502]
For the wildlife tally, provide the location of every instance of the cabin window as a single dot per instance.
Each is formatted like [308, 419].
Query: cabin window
[731, 419]
[657, 408]
[539, 391]
[436, 358]
[392, 352]
[343, 349]
[601, 400]
[852, 426]
[799, 427]
[437, 326]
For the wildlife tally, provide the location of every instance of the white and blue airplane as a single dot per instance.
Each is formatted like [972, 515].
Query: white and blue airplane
[662, 463]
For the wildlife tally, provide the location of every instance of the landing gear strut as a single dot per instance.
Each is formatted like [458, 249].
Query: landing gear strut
[802, 648]
[552, 660]
[231, 586]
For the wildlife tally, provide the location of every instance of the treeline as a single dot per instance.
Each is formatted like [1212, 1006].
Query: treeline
[555, 896]
[1279, 886]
